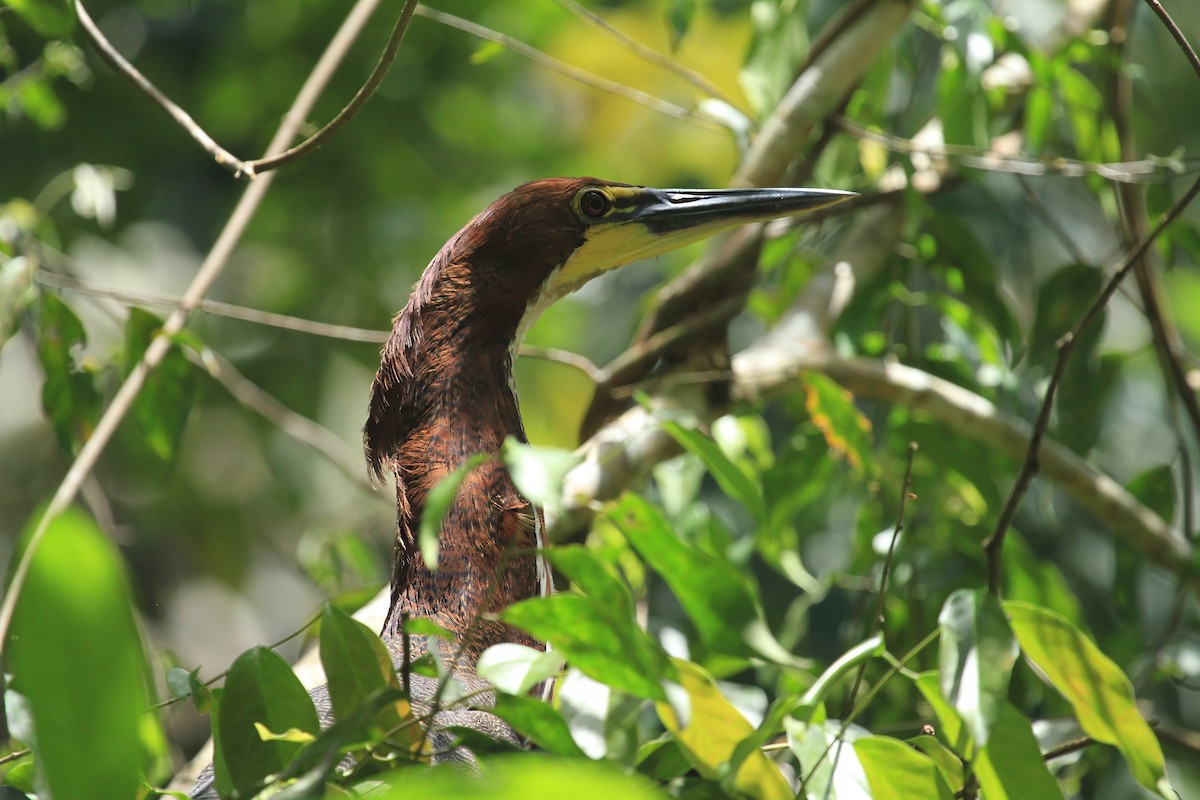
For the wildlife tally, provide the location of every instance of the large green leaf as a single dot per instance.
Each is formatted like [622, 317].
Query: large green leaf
[1011, 767]
[358, 666]
[896, 771]
[75, 654]
[712, 734]
[260, 688]
[537, 721]
[976, 657]
[69, 395]
[605, 646]
[718, 601]
[1096, 688]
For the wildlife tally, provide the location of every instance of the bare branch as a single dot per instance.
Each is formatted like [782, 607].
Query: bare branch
[1176, 34]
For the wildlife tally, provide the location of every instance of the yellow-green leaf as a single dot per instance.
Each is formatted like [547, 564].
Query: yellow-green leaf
[713, 732]
[1096, 688]
[896, 771]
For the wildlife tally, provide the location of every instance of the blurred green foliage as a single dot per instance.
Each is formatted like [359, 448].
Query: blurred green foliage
[720, 619]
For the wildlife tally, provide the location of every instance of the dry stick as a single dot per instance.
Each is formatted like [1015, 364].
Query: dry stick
[217, 257]
[647, 53]
[222, 156]
[994, 544]
[1177, 34]
[563, 68]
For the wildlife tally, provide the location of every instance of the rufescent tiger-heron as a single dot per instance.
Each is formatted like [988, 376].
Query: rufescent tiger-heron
[444, 392]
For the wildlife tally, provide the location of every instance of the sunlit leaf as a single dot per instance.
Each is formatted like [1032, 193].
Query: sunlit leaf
[538, 472]
[516, 668]
[75, 654]
[1011, 767]
[829, 767]
[976, 657]
[520, 777]
[437, 503]
[896, 771]
[1096, 688]
[948, 762]
[831, 409]
[260, 688]
[608, 647]
[713, 732]
[538, 722]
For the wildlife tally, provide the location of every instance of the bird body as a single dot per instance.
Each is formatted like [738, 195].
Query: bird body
[444, 392]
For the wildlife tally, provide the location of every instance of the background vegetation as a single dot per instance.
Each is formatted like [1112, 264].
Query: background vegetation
[757, 566]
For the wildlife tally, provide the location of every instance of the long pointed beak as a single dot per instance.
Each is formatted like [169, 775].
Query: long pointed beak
[679, 209]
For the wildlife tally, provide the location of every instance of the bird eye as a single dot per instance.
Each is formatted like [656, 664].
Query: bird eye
[594, 203]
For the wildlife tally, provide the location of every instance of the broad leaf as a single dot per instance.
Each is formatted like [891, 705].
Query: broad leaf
[69, 395]
[260, 688]
[515, 668]
[538, 722]
[831, 408]
[1096, 688]
[1011, 767]
[437, 503]
[358, 666]
[50, 18]
[161, 409]
[713, 732]
[975, 658]
[75, 654]
[608, 647]
[896, 771]
[538, 472]
[733, 479]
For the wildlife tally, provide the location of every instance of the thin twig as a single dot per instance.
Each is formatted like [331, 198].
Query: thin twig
[115, 60]
[212, 266]
[298, 426]
[560, 356]
[995, 543]
[1139, 171]
[647, 53]
[876, 621]
[222, 156]
[563, 68]
[1177, 34]
[131, 297]
[352, 108]
[14, 755]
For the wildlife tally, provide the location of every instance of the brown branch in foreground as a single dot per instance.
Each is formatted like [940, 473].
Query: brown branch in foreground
[238, 167]
[994, 544]
[1176, 34]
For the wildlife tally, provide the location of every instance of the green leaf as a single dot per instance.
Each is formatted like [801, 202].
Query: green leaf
[828, 767]
[713, 732]
[1096, 688]
[608, 647]
[718, 601]
[260, 688]
[538, 722]
[832, 411]
[948, 763]
[520, 777]
[50, 18]
[680, 14]
[732, 478]
[1039, 112]
[76, 655]
[1011, 767]
[950, 723]
[515, 668]
[896, 771]
[69, 395]
[161, 409]
[976, 656]
[358, 666]
[538, 472]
